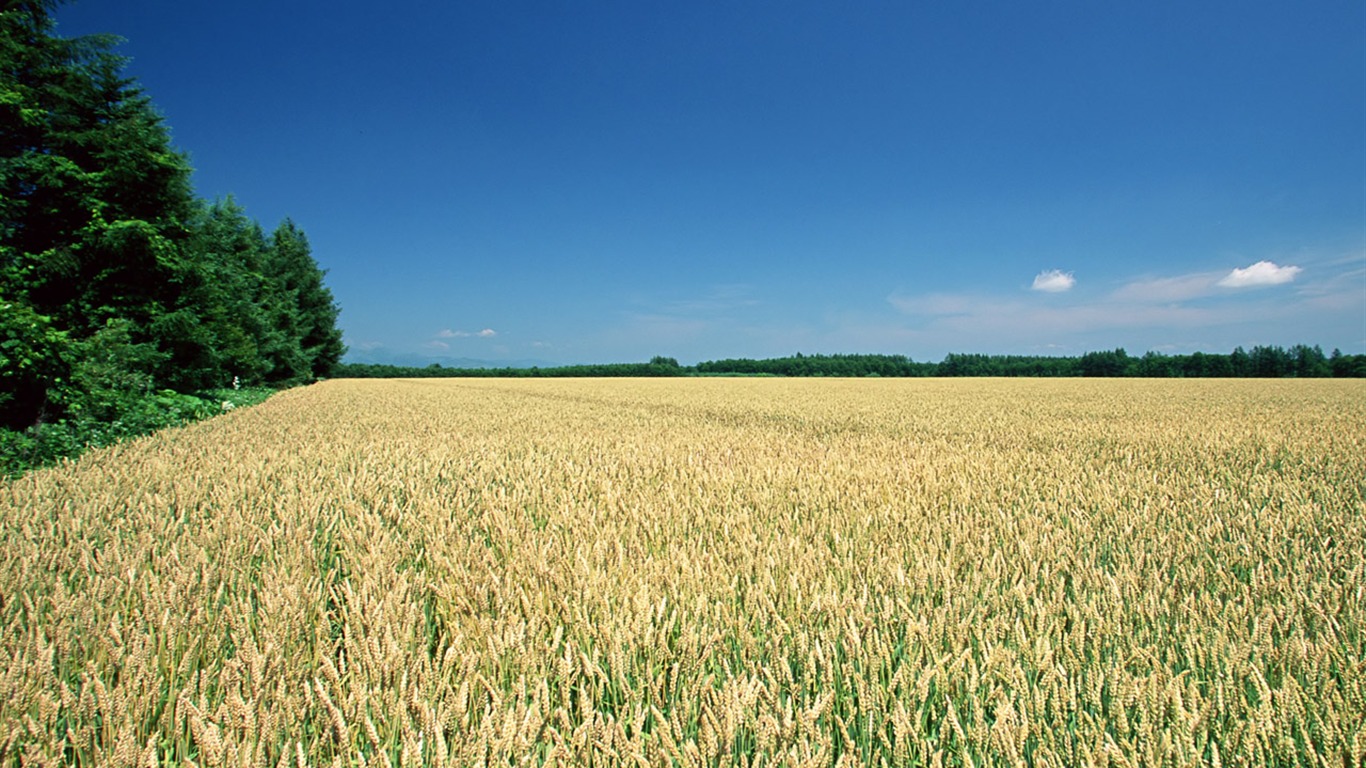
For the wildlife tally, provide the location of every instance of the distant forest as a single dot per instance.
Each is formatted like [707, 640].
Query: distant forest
[1299, 361]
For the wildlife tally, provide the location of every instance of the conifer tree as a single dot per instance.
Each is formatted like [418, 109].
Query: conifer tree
[308, 312]
[113, 276]
[93, 198]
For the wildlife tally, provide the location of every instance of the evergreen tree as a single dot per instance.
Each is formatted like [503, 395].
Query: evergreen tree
[90, 199]
[92, 196]
[306, 314]
[1239, 364]
[1270, 362]
[115, 281]
[1310, 362]
[1114, 363]
[228, 305]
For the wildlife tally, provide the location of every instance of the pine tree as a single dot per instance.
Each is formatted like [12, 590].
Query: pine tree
[224, 320]
[92, 196]
[115, 281]
[307, 312]
[91, 203]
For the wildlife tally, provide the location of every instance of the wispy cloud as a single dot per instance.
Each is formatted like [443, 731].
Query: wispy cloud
[696, 325]
[1165, 290]
[997, 316]
[1260, 274]
[448, 333]
[1054, 281]
[718, 299]
[1149, 310]
[940, 304]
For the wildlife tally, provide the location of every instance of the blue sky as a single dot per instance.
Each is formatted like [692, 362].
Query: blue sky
[608, 181]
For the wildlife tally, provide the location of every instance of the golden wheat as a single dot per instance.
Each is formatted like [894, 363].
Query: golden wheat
[702, 572]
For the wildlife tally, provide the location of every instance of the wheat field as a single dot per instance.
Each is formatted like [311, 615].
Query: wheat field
[692, 572]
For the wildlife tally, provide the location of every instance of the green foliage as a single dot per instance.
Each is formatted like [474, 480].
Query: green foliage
[34, 359]
[94, 195]
[216, 328]
[118, 288]
[1343, 366]
[437, 371]
[111, 372]
[1300, 361]
[104, 421]
[305, 312]
[820, 365]
[1108, 364]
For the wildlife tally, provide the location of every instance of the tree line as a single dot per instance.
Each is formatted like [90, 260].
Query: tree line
[659, 366]
[1299, 361]
[125, 299]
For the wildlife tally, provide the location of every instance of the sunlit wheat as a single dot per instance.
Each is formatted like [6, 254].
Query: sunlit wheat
[702, 572]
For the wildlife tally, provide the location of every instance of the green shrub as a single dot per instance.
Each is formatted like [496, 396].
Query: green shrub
[105, 421]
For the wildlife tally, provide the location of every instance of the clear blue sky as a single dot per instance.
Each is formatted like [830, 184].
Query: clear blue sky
[607, 181]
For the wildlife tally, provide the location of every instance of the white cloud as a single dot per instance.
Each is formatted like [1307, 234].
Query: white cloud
[1054, 281]
[1149, 312]
[447, 333]
[1208, 310]
[1259, 274]
[487, 333]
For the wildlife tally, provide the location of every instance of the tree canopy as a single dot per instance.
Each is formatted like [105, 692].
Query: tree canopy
[107, 254]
